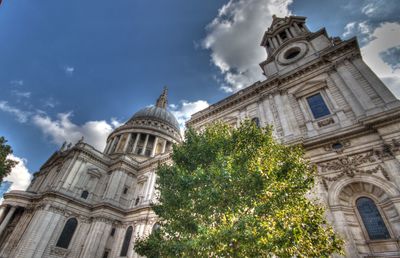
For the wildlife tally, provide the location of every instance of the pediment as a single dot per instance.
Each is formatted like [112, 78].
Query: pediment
[308, 87]
[94, 172]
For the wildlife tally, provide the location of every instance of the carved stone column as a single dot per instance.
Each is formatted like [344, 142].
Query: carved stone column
[3, 213]
[7, 219]
[97, 238]
[135, 143]
[153, 151]
[127, 142]
[384, 93]
[355, 87]
[350, 98]
[342, 227]
[145, 145]
[38, 233]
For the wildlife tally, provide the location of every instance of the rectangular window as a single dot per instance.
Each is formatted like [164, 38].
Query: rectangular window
[318, 106]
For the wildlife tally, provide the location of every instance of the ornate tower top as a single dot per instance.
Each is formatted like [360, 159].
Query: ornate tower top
[162, 100]
[290, 44]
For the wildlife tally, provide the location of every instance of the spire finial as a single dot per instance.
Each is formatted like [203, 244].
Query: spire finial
[162, 100]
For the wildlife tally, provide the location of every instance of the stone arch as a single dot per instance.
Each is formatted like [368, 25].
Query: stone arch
[336, 188]
[342, 200]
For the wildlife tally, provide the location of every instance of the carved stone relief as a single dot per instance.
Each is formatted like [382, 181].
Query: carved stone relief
[350, 165]
[58, 251]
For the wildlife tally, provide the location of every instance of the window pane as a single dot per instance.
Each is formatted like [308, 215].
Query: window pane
[127, 240]
[67, 233]
[372, 219]
[84, 194]
[318, 106]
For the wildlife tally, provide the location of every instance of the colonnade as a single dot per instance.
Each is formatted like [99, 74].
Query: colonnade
[137, 143]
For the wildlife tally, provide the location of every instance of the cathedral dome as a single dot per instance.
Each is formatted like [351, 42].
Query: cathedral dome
[158, 114]
[150, 131]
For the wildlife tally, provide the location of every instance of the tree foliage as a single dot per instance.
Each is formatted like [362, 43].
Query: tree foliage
[238, 193]
[5, 163]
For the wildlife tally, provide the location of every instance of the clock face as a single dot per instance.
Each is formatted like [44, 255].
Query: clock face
[292, 53]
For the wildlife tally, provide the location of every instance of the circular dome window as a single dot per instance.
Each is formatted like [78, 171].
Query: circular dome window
[292, 53]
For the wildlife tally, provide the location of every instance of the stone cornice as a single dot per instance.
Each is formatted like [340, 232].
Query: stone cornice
[43, 200]
[326, 59]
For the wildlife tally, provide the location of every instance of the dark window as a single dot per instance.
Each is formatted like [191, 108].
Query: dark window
[372, 219]
[84, 194]
[292, 53]
[127, 240]
[67, 233]
[283, 35]
[137, 201]
[125, 190]
[139, 151]
[318, 106]
[112, 232]
[337, 146]
[106, 252]
[256, 120]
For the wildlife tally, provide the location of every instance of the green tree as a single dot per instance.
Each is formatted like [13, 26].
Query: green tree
[6, 164]
[238, 193]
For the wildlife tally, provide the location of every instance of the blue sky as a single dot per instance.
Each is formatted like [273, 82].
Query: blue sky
[72, 68]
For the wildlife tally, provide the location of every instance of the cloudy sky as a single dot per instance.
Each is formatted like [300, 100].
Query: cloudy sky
[73, 68]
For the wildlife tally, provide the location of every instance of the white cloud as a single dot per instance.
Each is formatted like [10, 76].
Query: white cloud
[234, 38]
[185, 109]
[115, 123]
[349, 29]
[368, 9]
[69, 70]
[384, 37]
[17, 82]
[19, 176]
[50, 102]
[362, 30]
[22, 116]
[21, 94]
[63, 129]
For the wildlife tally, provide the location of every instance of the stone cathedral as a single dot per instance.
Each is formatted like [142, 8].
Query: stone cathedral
[318, 93]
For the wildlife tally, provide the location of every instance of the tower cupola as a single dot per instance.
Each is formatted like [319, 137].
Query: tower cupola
[283, 30]
[290, 44]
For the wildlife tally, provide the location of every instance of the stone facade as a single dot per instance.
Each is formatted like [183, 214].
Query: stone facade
[355, 142]
[318, 93]
[105, 192]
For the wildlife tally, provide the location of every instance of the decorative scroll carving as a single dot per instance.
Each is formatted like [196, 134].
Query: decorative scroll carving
[58, 251]
[388, 150]
[338, 146]
[59, 210]
[325, 122]
[349, 166]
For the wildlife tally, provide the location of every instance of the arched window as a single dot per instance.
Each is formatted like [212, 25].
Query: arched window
[84, 194]
[372, 219]
[127, 240]
[67, 233]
